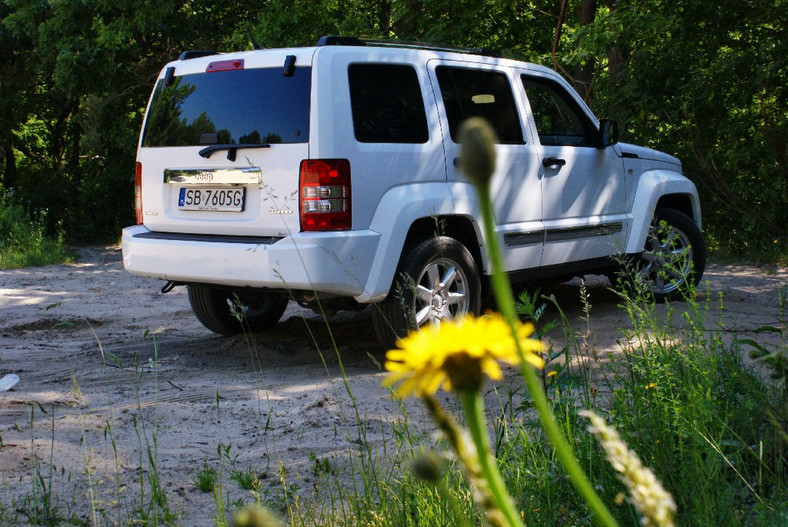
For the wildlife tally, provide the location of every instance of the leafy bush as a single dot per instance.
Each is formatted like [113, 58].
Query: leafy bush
[23, 242]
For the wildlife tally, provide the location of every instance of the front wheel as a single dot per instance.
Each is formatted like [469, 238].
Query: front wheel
[437, 280]
[228, 311]
[674, 256]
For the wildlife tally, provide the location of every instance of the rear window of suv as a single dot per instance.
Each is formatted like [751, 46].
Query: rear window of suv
[250, 106]
[387, 104]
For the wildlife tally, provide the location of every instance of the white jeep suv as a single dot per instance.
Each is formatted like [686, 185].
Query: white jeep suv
[329, 175]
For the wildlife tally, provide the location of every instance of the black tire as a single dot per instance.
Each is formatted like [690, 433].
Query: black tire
[673, 258]
[437, 279]
[213, 307]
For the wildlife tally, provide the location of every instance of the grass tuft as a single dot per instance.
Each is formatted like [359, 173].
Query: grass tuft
[205, 479]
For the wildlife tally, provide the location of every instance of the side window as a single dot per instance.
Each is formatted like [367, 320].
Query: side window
[559, 122]
[479, 93]
[387, 104]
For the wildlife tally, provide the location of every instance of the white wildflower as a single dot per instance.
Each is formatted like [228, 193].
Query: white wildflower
[654, 503]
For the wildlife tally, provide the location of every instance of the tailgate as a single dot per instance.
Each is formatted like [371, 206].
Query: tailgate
[222, 142]
[257, 195]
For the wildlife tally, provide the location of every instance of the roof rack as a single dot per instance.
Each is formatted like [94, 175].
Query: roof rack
[408, 44]
[330, 40]
[333, 40]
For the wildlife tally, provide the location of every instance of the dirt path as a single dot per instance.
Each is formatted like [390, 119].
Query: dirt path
[113, 361]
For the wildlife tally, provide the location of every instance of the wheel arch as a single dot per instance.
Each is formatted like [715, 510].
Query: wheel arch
[461, 228]
[411, 213]
[660, 189]
[679, 202]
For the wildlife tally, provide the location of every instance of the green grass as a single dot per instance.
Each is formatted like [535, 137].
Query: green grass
[23, 238]
[710, 423]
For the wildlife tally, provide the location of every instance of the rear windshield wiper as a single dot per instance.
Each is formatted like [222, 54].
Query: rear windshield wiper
[231, 149]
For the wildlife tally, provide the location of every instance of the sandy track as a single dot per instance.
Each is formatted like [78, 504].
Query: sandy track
[109, 358]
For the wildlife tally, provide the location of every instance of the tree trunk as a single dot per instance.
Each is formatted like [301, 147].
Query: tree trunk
[616, 55]
[384, 18]
[586, 13]
[407, 25]
[9, 174]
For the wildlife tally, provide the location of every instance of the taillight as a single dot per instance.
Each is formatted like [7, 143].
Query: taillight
[138, 193]
[325, 195]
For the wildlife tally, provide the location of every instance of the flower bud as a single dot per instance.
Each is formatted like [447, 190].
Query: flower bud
[427, 467]
[477, 154]
[256, 517]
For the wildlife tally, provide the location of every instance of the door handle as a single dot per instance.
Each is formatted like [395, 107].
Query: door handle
[553, 162]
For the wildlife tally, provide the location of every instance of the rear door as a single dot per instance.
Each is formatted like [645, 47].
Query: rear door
[376, 110]
[222, 142]
[477, 90]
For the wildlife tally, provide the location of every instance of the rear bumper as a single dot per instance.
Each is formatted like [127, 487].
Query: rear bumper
[322, 262]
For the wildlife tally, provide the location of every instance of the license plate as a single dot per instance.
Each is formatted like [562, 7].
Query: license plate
[213, 199]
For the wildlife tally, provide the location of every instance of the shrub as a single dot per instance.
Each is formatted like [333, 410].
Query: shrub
[23, 239]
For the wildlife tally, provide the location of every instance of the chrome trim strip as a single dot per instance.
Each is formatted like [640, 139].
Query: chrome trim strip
[573, 233]
[226, 176]
[513, 239]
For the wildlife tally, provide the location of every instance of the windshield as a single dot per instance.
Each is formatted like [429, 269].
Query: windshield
[251, 106]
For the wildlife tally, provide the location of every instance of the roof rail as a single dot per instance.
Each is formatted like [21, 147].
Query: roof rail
[333, 40]
[394, 43]
[407, 44]
[194, 54]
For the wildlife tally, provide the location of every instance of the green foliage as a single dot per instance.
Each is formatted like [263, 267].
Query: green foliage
[699, 416]
[707, 83]
[23, 242]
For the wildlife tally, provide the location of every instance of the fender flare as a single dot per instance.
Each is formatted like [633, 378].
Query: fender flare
[653, 186]
[397, 211]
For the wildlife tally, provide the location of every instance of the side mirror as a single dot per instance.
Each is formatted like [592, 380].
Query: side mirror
[608, 132]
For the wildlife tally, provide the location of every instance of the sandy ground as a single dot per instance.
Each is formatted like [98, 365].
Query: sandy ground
[109, 368]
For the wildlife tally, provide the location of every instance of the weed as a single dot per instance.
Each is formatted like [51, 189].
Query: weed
[156, 510]
[205, 479]
[246, 479]
[320, 465]
[218, 489]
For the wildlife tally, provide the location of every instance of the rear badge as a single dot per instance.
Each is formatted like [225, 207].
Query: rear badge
[280, 211]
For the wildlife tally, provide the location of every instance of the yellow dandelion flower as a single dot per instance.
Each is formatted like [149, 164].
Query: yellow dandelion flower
[457, 356]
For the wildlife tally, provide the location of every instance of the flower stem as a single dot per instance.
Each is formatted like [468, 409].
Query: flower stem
[473, 405]
[503, 294]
